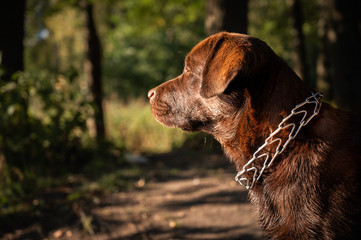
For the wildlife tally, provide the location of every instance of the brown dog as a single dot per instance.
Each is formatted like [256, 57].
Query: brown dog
[300, 161]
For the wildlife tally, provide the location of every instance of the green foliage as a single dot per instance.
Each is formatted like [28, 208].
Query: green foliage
[147, 43]
[42, 120]
[270, 21]
[55, 115]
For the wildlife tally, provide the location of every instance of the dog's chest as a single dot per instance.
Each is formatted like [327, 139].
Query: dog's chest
[286, 212]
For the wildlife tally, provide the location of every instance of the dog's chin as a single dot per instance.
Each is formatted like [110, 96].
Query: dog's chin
[188, 129]
[167, 121]
[176, 123]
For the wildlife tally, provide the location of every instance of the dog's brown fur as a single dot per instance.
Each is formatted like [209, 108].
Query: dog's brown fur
[236, 88]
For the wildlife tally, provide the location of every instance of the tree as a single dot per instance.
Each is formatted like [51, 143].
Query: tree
[12, 16]
[93, 67]
[225, 15]
[339, 59]
[14, 102]
[298, 40]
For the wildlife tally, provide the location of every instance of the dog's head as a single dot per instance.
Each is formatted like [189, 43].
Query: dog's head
[222, 75]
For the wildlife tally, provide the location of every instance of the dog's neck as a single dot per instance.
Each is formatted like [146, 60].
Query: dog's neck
[276, 143]
[245, 132]
[254, 124]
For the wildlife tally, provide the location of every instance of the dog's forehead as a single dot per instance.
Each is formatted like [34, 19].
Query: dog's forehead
[200, 52]
[203, 49]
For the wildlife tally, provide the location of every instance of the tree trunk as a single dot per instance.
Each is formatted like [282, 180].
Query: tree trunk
[226, 15]
[12, 20]
[299, 55]
[339, 60]
[12, 16]
[93, 70]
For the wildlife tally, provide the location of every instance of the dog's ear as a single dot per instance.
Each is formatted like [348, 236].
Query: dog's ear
[222, 65]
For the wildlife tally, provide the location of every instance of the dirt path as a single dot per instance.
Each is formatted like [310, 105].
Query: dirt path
[194, 203]
[179, 197]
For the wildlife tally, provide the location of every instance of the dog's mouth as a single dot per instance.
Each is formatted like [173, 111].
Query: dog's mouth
[163, 119]
[169, 120]
[164, 115]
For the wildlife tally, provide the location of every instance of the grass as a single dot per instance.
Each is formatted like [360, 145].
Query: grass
[132, 126]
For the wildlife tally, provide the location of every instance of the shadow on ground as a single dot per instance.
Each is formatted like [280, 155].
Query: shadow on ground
[174, 196]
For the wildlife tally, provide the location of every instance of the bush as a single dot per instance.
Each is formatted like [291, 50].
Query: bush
[42, 121]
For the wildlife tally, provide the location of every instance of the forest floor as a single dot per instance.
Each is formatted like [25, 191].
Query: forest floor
[177, 196]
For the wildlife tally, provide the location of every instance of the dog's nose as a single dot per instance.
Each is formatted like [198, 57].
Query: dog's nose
[151, 93]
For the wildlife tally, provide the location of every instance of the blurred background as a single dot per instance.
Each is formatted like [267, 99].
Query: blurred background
[75, 124]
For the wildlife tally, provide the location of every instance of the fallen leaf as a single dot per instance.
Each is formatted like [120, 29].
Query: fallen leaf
[58, 233]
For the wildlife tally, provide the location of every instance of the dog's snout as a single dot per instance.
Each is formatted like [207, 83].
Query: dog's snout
[151, 93]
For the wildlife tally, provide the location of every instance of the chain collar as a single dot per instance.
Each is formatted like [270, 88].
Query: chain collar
[280, 146]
